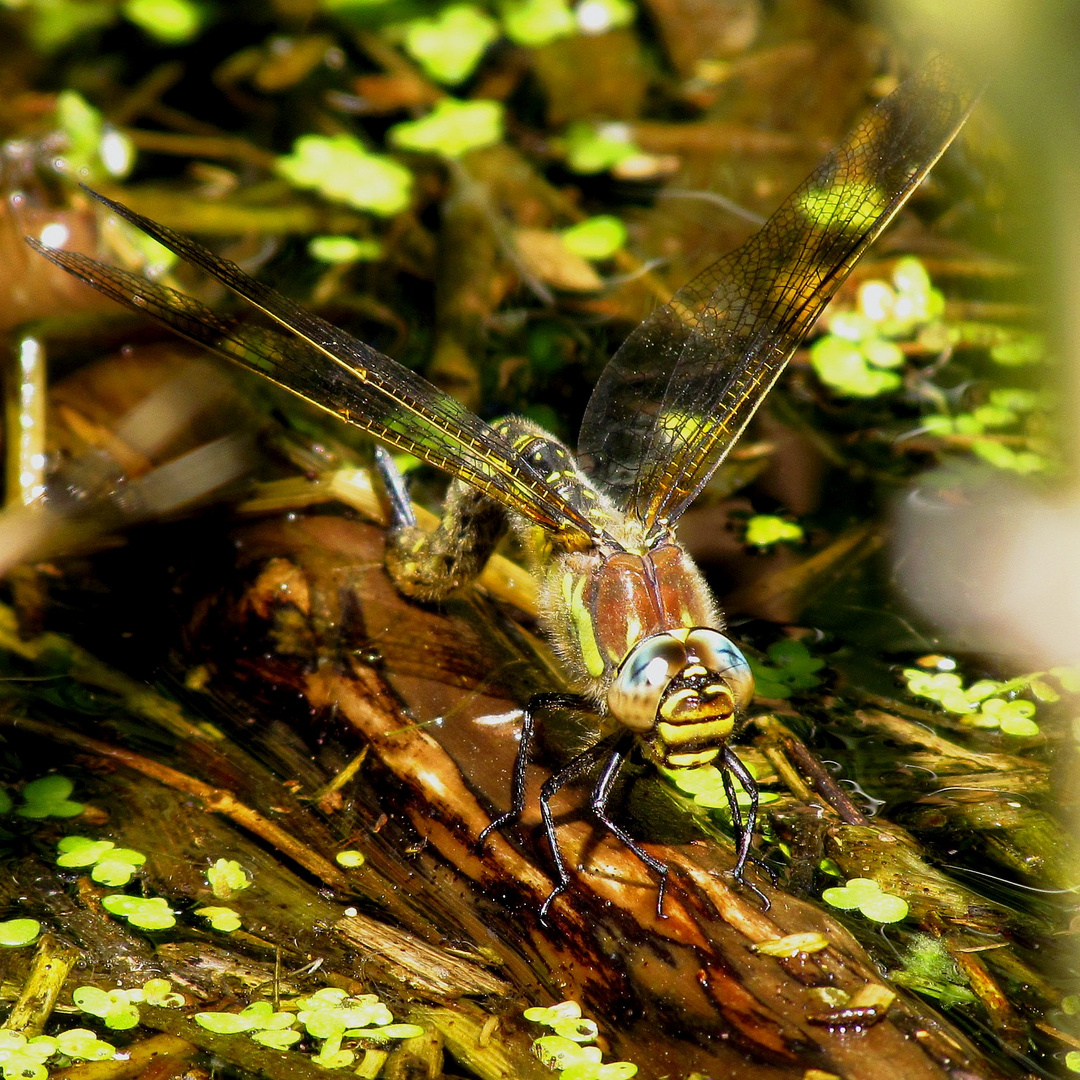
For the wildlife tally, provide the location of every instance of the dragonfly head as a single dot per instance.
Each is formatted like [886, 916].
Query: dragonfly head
[682, 690]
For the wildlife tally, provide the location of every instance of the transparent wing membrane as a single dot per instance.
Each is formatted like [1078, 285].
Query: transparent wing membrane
[679, 392]
[335, 371]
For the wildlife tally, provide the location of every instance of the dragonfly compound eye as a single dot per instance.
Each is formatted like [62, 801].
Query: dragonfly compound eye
[642, 679]
[720, 655]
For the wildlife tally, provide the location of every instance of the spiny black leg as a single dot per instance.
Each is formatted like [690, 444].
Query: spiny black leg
[537, 703]
[601, 794]
[550, 788]
[744, 830]
[401, 511]
[736, 817]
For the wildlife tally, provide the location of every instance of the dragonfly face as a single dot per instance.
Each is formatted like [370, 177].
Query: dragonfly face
[629, 613]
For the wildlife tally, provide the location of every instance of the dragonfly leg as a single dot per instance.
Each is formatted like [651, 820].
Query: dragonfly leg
[744, 830]
[537, 703]
[430, 566]
[401, 509]
[578, 766]
[601, 794]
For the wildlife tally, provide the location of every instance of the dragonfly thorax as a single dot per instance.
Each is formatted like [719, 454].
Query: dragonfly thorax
[637, 630]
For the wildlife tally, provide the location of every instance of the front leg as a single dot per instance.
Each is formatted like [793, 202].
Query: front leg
[537, 703]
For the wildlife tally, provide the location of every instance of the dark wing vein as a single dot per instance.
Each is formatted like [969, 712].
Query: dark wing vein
[679, 392]
[337, 372]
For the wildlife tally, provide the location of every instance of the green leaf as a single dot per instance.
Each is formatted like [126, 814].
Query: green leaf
[452, 128]
[113, 872]
[842, 367]
[341, 250]
[553, 1014]
[15, 933]
[763, 530]
[590, 149]
[224, 919]
[597, 237]
[336, 1059]
[349, 859]
[911, 278]
[389, 1031]
[227, 877]
[537, 22]
[885, 908]
[557, 1052]
[92, 1000]
[152, 913]
[113, 1006]
[1027, 349]
[48, 797]
[840, 897]
[172, 22]
[324, 1023]
[223, 1023]
[449, 46]
[83, 128]
[160, 992]
[580, 1030]
[883, 354]
[280, 1039]
[82, 1044]
[339, 168]
[76, 851]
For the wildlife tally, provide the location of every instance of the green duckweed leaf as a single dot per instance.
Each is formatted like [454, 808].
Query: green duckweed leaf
[349, 859]
[449, 46]
[866, 896]
[223, 1023]
[15, 933]
[452, 128]
[558, 1052]
[597, 237]
[172, 22]
[553, 1014]
[78, 851]
[578, 1030]
[341, 250]
[335, 1059]
[537, 22]
[224, 919]
[340, 168]
[149, 913]
[843, 367]
[226, 878]
[764, 530]
[159, 992]
[48, 797]
[280, 1039]
[591, 149]
[82, 1044]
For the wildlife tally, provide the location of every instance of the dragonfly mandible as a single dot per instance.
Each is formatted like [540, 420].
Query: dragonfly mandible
[629, 614]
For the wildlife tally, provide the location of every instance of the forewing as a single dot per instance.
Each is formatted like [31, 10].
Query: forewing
[336, 372]
[678, 393]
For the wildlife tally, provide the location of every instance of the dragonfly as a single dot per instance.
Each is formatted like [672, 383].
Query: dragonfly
[640, 636]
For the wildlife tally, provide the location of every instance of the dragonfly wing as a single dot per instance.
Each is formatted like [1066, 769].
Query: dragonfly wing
[336, 372]
[679, 392]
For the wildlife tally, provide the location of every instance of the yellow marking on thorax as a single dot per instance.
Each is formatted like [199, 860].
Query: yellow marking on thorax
[573, 590]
